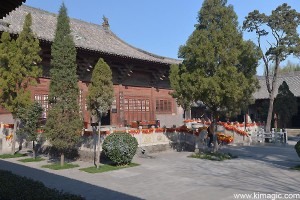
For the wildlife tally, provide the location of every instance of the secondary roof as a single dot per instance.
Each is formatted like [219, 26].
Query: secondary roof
[292, 79]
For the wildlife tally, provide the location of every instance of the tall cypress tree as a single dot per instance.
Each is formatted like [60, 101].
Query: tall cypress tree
[64, 123]
[18, 69]
[100, 96]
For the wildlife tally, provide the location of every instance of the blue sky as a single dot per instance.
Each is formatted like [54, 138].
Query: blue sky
[157, 26]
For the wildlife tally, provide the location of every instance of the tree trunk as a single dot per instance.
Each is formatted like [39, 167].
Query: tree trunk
[215, 138]
[270, 112]
[214, 132]
[272, 96]
[33, 150]
[99, 140]
[13, 142]
[62, 159]
[95, 148]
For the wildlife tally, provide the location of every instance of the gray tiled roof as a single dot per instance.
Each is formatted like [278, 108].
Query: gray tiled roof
[86, 35]
[292, 79]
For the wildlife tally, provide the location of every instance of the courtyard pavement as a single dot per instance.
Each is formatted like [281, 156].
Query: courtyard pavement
[260, 169]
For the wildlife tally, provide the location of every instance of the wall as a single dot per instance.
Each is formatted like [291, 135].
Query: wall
[167, 120]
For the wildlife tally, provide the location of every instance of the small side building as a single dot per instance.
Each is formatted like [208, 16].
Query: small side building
[256, 110]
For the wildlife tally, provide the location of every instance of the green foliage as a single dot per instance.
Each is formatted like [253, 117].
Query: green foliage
[262, 110]
[18, 68]
[26, 160]
[297, 148]
[120, 147]
[106, 168]
[297, 167]
[70, 154]
[16, 155]
[282, 25]
[64, 124]
[220, 65]
[289, 67]
[18, 188]
[100, 92]
[180, 82]
[30, 121]
[285, 104]
[57, 166]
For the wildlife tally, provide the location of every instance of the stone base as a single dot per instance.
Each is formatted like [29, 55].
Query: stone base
[86, 155]
[155, 148]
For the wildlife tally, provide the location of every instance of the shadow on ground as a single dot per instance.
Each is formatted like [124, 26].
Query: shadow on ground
[281, 155]
[50, 180]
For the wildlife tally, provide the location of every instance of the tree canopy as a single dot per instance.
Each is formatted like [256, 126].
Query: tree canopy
[64, 124]
[30, 118]
[101, 92]
[282, 26]
[19, 69]
[180, 83]
[220, 65]
[287, 68]
[285, 104]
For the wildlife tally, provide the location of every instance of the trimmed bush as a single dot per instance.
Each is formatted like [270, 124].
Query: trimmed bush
[120, 148]
[297, 147]
[19, 188]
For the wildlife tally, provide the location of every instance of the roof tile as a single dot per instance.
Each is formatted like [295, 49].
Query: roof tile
[291, 78]
[86, 35]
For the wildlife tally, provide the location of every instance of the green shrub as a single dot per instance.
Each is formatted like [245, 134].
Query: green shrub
[19, 188]
[297, 147]
[120, 148]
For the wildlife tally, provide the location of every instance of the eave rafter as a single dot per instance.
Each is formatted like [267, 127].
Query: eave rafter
[85, 66]
[158, 75]
[124, 72]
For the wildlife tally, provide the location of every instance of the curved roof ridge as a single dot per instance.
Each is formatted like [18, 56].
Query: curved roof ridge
[138, 49]
[55, 15]
[87, 35]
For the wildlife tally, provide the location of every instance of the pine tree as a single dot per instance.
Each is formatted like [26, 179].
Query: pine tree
[220, 64]
[100, 96]
[285, 104]
[19, 69]
[64, 122]
[282, 25]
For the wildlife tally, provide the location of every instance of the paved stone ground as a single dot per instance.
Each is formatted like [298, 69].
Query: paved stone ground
[172, 175]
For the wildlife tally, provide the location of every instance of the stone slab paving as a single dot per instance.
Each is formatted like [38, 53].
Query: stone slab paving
[172, 175]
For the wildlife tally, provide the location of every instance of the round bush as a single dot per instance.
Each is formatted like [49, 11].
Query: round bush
[120, 148]
[297, 147]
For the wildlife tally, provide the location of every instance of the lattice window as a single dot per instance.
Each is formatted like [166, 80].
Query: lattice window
[164, 105]
[43, 100]
[140, 105]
